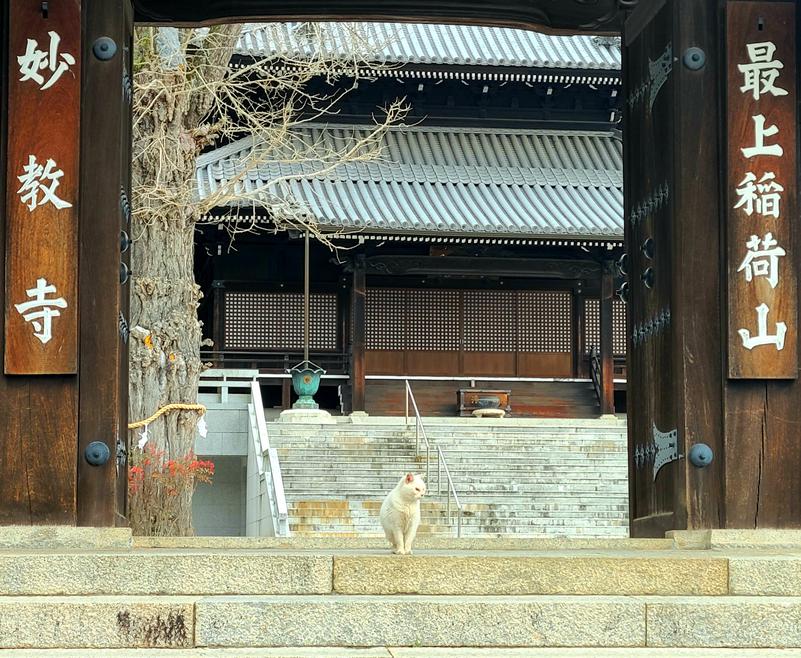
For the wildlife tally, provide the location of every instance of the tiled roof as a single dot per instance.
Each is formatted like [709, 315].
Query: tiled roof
[456, 181]
[419, 43]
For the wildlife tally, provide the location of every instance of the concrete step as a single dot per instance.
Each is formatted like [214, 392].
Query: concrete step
[564, 441]
[197, 572]
[373, 620]
[403, 652]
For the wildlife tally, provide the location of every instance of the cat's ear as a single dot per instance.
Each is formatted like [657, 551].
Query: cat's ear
[409, 478]
[422, 477]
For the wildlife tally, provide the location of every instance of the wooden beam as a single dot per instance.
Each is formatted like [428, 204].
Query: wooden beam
[600, 16]
[464, 266]
[105, 178]
[607, 361]
[357, 360]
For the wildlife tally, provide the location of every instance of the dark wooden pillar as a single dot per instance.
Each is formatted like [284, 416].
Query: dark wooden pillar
[578, 332]
[218, 322]
[49, 418]
[357, 344]
[607, 361]
[105, 212]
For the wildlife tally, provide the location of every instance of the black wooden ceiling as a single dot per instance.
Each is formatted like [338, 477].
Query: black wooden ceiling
[568, 16]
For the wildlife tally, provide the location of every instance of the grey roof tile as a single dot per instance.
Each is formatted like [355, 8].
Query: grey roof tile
[416, 43]
[444, 180]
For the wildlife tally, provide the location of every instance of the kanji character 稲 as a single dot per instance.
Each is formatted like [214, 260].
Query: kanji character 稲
[762, 196]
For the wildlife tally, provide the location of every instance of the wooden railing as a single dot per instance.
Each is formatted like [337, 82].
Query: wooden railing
[274, 361]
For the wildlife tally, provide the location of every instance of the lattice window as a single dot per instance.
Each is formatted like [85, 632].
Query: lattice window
[618, 326]
[544, 321]
[592, 319]
[385, 319]
[490, 321]
[433, 320]
[273, 321]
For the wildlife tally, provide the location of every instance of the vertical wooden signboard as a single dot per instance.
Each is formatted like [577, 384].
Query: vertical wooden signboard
[41, 306]
[761, 190]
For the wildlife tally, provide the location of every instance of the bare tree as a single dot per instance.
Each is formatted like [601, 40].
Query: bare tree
[187, 98]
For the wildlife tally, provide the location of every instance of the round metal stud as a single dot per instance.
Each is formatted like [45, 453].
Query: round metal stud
[648, 248]
[125, 242]
[648, 277]
[694, 58]
[701, 455]
[104, 48]
[96, 453]
[125, 273]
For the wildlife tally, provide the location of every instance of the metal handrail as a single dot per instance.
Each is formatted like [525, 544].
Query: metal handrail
[420, 430]
[275, 482]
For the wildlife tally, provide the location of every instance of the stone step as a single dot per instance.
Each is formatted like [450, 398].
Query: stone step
[373, 620]
[474, 486]
[218, 571]
[465, 425]
[358, 433]
[490, 460]
[483, 515]
[379, 473]
[564, 441]
[404, 652]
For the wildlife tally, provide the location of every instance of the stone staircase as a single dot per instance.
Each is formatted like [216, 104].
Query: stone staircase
[312, 597]
[336, 476]
[532, 477]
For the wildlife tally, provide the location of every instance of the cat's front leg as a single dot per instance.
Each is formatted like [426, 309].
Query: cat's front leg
[411, 532]
[397, 542]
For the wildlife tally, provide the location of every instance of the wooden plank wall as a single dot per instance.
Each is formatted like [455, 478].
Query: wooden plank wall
[38, 445]
[43, 476]
[762, 420]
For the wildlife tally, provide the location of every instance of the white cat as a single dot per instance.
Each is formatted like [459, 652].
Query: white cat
[400, 513]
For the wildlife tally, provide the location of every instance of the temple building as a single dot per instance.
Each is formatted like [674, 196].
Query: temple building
[473, 252]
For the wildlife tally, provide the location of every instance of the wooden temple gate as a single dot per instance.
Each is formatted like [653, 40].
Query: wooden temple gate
[712, 335]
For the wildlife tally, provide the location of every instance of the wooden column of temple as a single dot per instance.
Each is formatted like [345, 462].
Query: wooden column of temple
[578, 332]
[607, 358]
[357, 334]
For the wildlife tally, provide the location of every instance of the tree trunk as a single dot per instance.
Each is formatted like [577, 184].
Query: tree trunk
[165, 366]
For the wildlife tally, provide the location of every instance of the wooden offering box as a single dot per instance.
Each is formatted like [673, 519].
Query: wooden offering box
[467, 399]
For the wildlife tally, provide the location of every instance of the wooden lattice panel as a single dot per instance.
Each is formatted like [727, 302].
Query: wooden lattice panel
[592, 320]
[385, 319]
[544, 321]
[274, 321]
[433, 321]
[490, 321]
